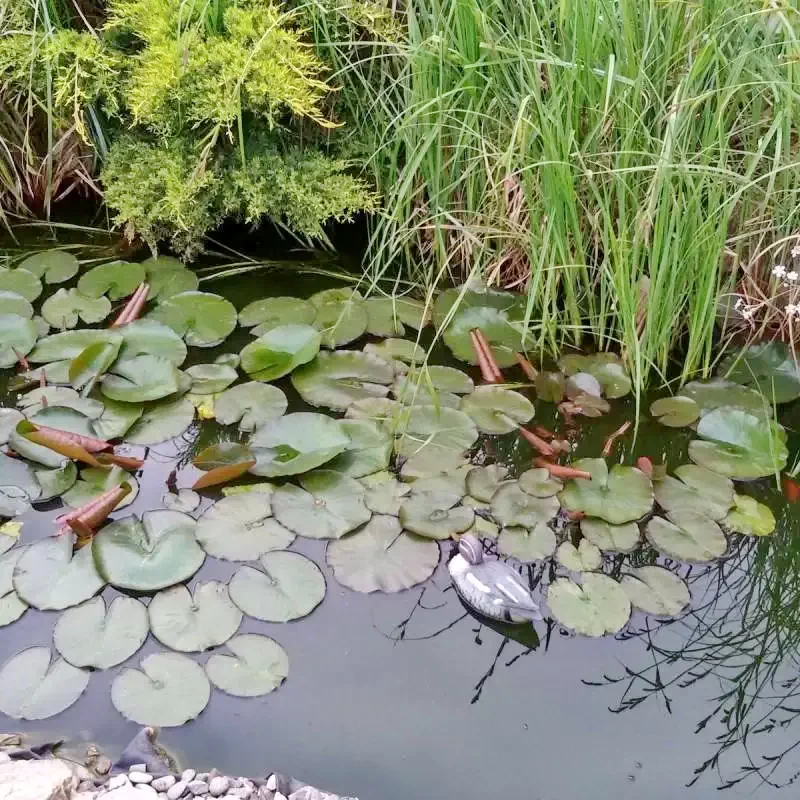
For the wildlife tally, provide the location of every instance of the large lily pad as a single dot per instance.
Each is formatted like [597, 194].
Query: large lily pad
[280, 350]
[54, 482]
[258, 666]
[196, 621]
[718, 392]
[415, 392]
[435, 515]
[695, 489]
[387, 316]
[168, 690]
[86, 368]
[336, 380]
[241, 528]
[64, 308]
[327, 506]
[287, 586]
[586, 557]
[16, 474]
[211, 378]
[270, 312]
[50, 577]
[161, 421]
[13, 303]
[770, 367]
[381, 557]
[168, 277]
[597, 607]
[340, 323]
[147, 337]
[140, 379]
[63, 419]
[9, 419]
[369, 451]
[52, 266]
[154, 553]
[116, 419]
[496, 410]
[17, 338]
[33, 685]
[675, 412]
[296, 443]
[250, 404]
[36, 400]
[11, 606]
[539, 483]
[35, 452]
[202, 319]
[68, 345]
[95, 481]
[606, 368]
[90, 635]
[656, 591]
[115, 280]
[750, 517]
[623, 494]
[687, 536]
[527, 544]
[384, 493]
[483, 482]
[611, 538]
[512, 506]
[20, 281]
[400, 352]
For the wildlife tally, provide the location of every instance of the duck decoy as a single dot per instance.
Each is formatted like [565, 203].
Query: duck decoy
[489, 586]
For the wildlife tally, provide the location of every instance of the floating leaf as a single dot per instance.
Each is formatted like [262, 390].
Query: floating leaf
[63, 419]
[749, 517]
[13, 501]
[384, 493]
[116, 419]
[586, 557]
[606, 368]
[91, 636]
[399, 352]
[13, 303]
[155, 553]
[147, 337]
[33, 685]
[161, 422]
[271, 312]
[611, 538]
[11, 606]
[202, 319]
[482, 527]
[196, 621]
[539, 483]
[434, 514]
[675, 412]
[54, 482]
[496, 410]
[288, 586]
[9, 417]
[511, 507]
[42, 325]
[34, 452]
[699, 490]
[140, 379]
[527, 544]
[16, 474]
[184, 500]
[167, 277]
[115, 279]
[687, 536]
[17, 338]
[52, 266]
[258, 666]
[340, 323]
[369, 451]
[483, 482]
[20, 281]
[280, 350]
[296, 443]
[241, 528]
[66, 306]
[770, 367]
[69, 345]
[168, 690]
[623, 494]
[597, 607]
[96, 481]
[251, 405]
[211, 378]
[412, 392]
[550, 386]
[656, 591]
[228, 359]
[386, 316]
[94, 361]
[50, 577]
[717, 392]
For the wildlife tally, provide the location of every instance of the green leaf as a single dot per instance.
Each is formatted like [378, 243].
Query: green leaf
[511, 506]
[20, 281]
[539, 483]
[550, 386]
[675, 412]
[37, 400]
[13, 303]
[527, 544]
[496, 410]
[52, 266]
[17, 338]
[749, 517]
[66, 306]
[17, 474]
[606, 368]
[184, 500]
[95, 481]
[340, 323]
[597, 607]
[54, 482]
[251, 404]
[387, 316]
[483, 482]
[369, 451]
[167, 277]
[9, 418]
[586, 557]
[115, 279]
[769, 367]
[687, 536]
[611, 538]
[279, 351]
[140, 379]
[656, 591]
[151, 338]
[699, 490]
[397, 350]
[712, 394]
[68, 345]
[258, 666]
[211, 378]
[162, 421]
[384, 493]
[202, 319]
[504, 336]
[271, 312]
[116, 419]
[435, 515]
[11, 606]
[91, 364]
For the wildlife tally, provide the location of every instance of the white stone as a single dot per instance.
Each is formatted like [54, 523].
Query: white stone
[137, 768]
[144, 788]
[126, 792]
[244, 792]
[163, 783]
[202, 776]
[102, 766]
[84, 795]
[188, 775]
[272, 782]
[219, 785]
[176, 790]
[4, 758]
[198, 787]
[139, 777]
[116, 781]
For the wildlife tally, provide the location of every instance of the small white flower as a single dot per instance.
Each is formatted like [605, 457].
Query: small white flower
[739, 303]
[792, 276]
[796, 251]
[779, 271]
[790, 309]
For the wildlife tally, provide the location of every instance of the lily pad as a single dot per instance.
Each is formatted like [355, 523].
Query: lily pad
[211, 378]
[115, 280]
[54, 482]
[250, 404]
[611, 538]
[95, 481]
[369, 451]
[687, 536]
[20, 281]
[271, 312]
[336, 380]
[340, 323]
[749, 517]
[90, 635]
[442, 427]
[597, 607]
[384, 493]
[539, 483]
[167, 277]
[258, 666]
[381, 557]
[241, 528]
[327, 506]
[13, 303]
[280, 350]
[699, 490]
[9, 419]
[719, 392]
[496, 410]
[586, 557]
[623, 494]
[504, 336]
[414, 393]
[147, 337]
[675, 412]
[52, 266]
[63, 419]
[656, 591]
[64, 308]
[116, 419]
[202, 319]
[288, 586]
[511, 507]
[154, 553]
[435, 515]
[770, 367]
[50, 577]
[184, 500]
[296, 443]
[9, 535]
[387, 316]
[527, 544]
[11, 606]
[161, 422]
[17, 338]
[86, 368]
[68, 345]
[397, 350]
[582, 383]
[33, 685]
[140, 379]
[168, 690]
[19, 475]
[483, 482]
[606, 368]
[196, 621]
[550, 386]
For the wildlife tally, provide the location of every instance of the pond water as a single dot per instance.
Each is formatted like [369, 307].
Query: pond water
[407, 695]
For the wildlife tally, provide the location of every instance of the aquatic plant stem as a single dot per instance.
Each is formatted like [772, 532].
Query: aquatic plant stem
[133, 307]
[531, 373]
[612, 438]
[536, 442]
[487, 350]
[483, 363]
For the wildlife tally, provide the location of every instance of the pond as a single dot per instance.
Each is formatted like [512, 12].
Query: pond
[407, 694]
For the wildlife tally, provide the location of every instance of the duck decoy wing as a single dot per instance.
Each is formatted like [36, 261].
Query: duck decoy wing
[507, 586]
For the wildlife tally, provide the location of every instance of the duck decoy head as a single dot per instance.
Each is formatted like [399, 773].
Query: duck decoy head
[470, 548]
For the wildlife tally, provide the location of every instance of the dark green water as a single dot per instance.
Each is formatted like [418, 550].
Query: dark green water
[393, 697]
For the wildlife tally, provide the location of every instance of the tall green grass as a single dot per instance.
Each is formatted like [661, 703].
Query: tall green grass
[621, 161]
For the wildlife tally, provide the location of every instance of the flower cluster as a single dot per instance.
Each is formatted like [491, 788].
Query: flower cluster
[779, 271]
[792, 311]
[745, 310]
[796, 251]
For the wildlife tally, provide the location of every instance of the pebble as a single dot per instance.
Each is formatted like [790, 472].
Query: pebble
[265, 794]
[161, 795]
[244, 792]
[219, 785]
[272, 782]
[137, 768]
[117, 781]
[188, 775]
[163, 783]
[136, 776]
[198, 787]
[144, 788]
[177, 789]
[202, 776]
[102, 766]
[86, 786]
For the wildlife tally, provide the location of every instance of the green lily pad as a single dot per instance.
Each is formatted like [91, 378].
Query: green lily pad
[369, 451]
[339, 295]
[11, 606]
[656, 591]
[90, 635]
[483, 482]
[597, 607]
[9, 419]
[296, 443]
[167, 277]
[459, 298]
[279, 351]
[86, 368]
[54, 482]
[749, 517]
[413, 393]
[211, 378]
[397, 351]
[33, 685]
[539, 483]
[115, 280]
[161, 421]
[611, 538]
[222, 454]
[582, 383]
[17, 338]
[147, 337]
[699, 490]
[442, 379]
[482, 527]
[258, 666]
[383, 410]
[512, 507]
[64, 308]
[442, 427]
[13, 501]
[50, 577]
[36, 400]
[196, 621]
[384, 493]
[52, 266]
[287, 586]
[241, 528]
[675, 412]
[550, 386]
[184, 500]
[504, 336]
[623, 494]
[586, 557]
[63, 419]
[202, 319]
[687, 536]
[271, 312]
[719, 392]
[154, 553]
[116, 419]
[606, 368]
[140, 379]
[387, 316]
[435, 515]
[42, 325]
[228, 359]
[496, 410]
[68, 345]
[168, 690]
[13, 303]
[250, 404]
[336, 380]
[527, 544]
[327, 506]
[340, 323]
[381, 557]
[95, 481]
[769, 367]
[20, 281]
